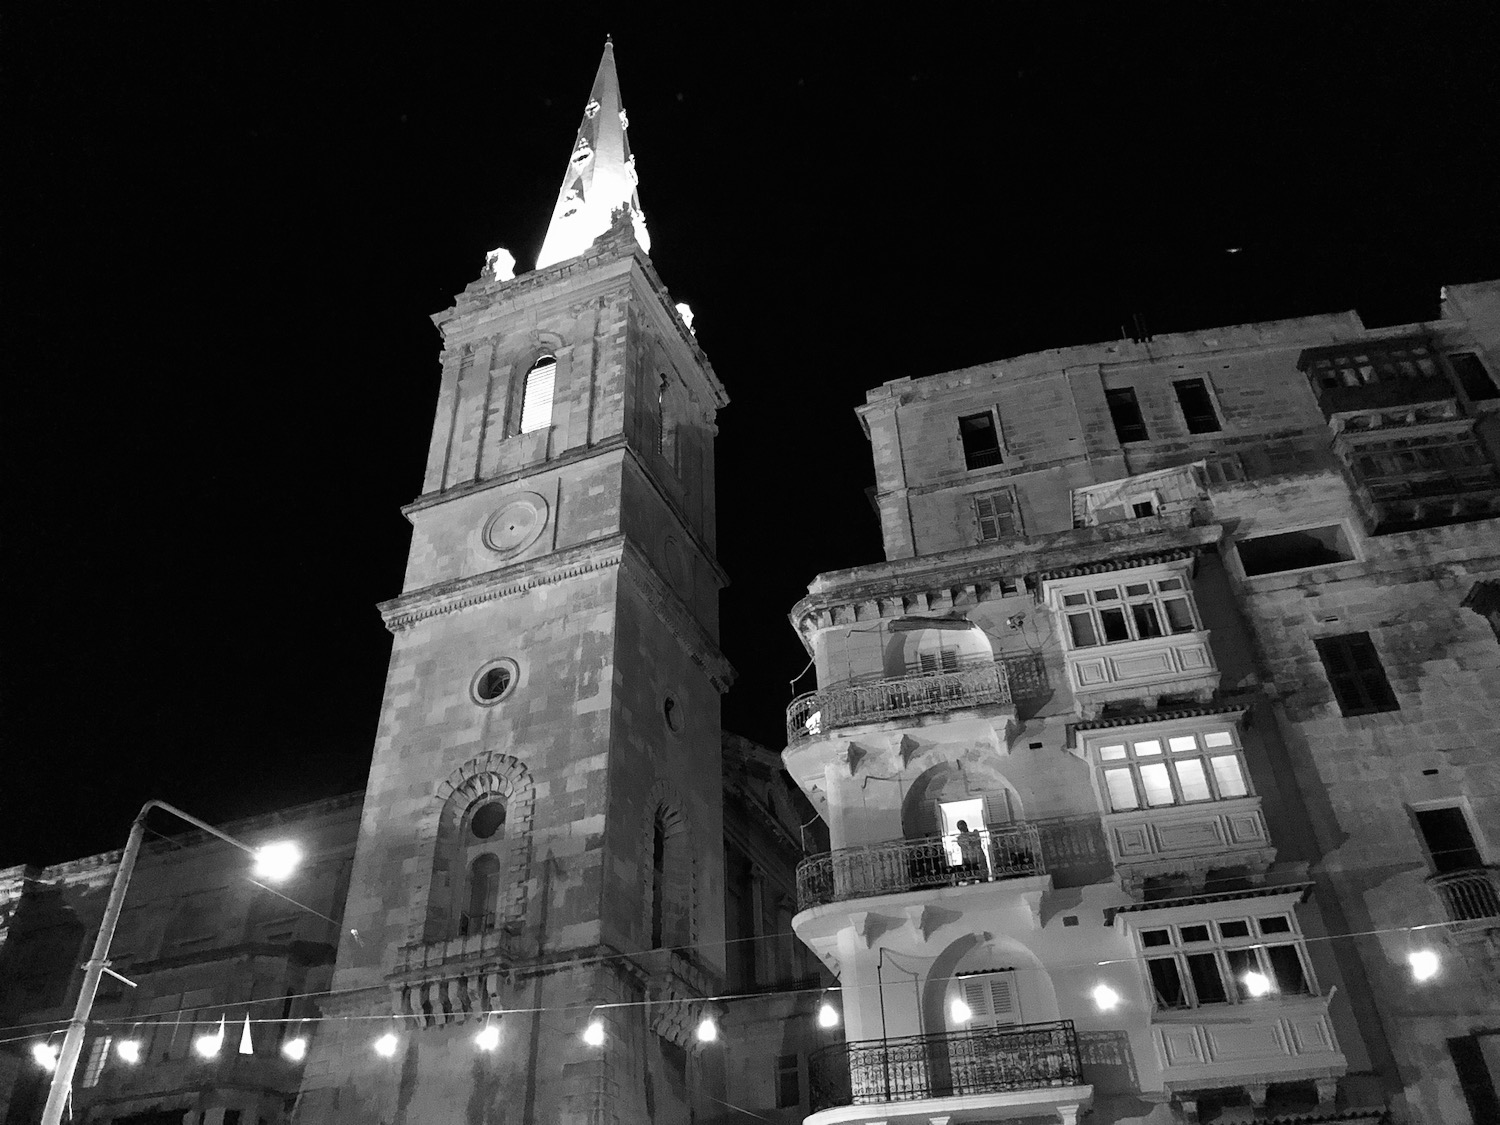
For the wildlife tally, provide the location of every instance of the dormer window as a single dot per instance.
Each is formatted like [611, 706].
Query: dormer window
[1132, 611]
[536, 399]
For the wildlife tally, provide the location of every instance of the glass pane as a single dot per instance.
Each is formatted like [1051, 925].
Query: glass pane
[1157, 784]
[1194, 933]
[1147, 748]
[1081, 628]
[1137, 591]
[1277, 924]
[1208, 984]
[1229, 777]
[1183, 744]
[1169, 584]
[1113, 621]
[1121, 790]
[1108, 594]
[1147, 623]
[1166, 982]
[1179, 616]
[1110, 753]
[1156, 937]
[1286, 969]
[1236, 929]
[1075, 599]
[1218, 738]
[1242, 962]
[1192, 780]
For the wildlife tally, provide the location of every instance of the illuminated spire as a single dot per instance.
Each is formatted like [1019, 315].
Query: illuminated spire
[600, 177]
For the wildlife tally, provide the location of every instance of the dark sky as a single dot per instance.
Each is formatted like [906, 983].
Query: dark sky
[226, 225]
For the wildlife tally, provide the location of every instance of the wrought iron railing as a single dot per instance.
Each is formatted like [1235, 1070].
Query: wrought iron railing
[1000, 852]
[989, 1060]
[1472, 895]
[896, 696]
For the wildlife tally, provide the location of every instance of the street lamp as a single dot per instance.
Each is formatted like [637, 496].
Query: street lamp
[273, 861]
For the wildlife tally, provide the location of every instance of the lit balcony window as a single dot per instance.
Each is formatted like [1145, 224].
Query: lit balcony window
[1226, 961]
[1133, 611]
[1178, 769]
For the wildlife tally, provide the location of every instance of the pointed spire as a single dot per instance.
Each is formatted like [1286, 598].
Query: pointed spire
[600, 177]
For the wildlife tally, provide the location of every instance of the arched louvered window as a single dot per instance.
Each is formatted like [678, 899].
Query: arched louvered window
[536, 399]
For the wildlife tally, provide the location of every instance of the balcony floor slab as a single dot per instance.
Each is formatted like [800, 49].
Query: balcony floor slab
[1067, 1103]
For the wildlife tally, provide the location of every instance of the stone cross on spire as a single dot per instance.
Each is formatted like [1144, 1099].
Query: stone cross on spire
[600, 177]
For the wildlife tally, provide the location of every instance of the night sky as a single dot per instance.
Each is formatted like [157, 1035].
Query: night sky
[226, 225]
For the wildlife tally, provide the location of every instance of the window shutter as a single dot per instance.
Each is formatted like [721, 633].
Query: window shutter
[536, 402]
[928, 820]
[996, 513]
[992, 999]
[997, 808]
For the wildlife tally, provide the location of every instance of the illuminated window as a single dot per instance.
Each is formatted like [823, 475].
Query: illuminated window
[536, 400]
[997, 515]
[1383, 362]
[1125, 413]
[1356, 675]
[1227, 961]
[1135, 611]
[1177, 769]
[1197, 406]
[981, 440]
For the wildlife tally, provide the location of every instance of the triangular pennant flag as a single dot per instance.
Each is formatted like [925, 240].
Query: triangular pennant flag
[246, 1046]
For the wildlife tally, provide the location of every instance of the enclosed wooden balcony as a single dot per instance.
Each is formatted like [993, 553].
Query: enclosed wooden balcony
[1006, 1072]
[1004, 852]
[921, 693]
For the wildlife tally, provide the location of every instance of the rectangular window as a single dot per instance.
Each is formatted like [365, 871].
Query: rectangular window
[1197, 406]
[1477, 383]
[1192, 964]
[1294, 550]
[981, 440]
[788, 1082]
[943, 660]
[536, 401]
[1449, 841]
[1150, 609]
[996, 513]
[1191, 767]
[1356, 675]
[1125, 412]
[98, 1053]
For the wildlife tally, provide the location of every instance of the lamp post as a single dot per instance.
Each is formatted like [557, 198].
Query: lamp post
[273, 861]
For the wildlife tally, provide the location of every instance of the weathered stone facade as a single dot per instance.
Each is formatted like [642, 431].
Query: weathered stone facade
[1269, 549]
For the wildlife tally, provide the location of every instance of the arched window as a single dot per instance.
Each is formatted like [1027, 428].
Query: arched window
[484, 895]
[658, 881]
[536, 399]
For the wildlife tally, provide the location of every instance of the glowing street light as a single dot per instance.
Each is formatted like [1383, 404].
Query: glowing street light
[1106, 999]
[276, 861]
[828, 1015]
[45, 1055]
[708, 1031]
[593, 1035]
[960, 1011]
[488, 1038]
[1425, 964]
[386, 1045]
[271, 862]
[208, 1045]
[1256, 983]
[129, 1050]
[295, 1049]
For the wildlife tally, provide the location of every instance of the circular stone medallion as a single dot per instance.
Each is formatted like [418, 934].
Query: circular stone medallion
[517, 525]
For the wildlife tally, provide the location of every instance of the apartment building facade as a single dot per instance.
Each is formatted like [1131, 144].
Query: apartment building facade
[1159, 755]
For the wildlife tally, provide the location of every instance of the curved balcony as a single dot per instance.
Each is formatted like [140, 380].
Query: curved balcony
[923, 693]
[993, 1060]
[1471, 895]
[1006, 852]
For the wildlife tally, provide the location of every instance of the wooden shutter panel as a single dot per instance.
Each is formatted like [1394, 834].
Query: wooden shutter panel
[997, 808]
[928, 820]
[992, 999]
[536, 402]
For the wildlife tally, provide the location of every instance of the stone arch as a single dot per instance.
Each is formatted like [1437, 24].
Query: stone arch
[678, 893]
[957, 779]
[914, 645]
[979, 953]
[488, 775]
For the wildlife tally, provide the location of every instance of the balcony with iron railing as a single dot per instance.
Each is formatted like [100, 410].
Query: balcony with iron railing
[920, 693]
[1002, 852]
[1469, 895]
[1025, 1069]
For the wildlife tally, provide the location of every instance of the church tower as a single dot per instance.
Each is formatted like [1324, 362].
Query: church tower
[533, 917]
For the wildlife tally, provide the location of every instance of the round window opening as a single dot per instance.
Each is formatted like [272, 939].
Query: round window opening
[487, 820]
[495, 681]
[671, 711]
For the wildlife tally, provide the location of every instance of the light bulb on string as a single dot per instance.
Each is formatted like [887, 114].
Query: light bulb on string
[593, 1034]
[1106, 999]
[45, 1055]
[129, 1050]
[708, 1031]
[295, 1048]
[207, 1045]
[1256, 983]
[1425, 964]
[488, 1038]
[277, 861]
[386, 1045]
[960, 1011]
[828, 1015]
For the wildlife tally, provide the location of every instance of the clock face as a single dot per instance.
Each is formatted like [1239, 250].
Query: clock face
[517, 525]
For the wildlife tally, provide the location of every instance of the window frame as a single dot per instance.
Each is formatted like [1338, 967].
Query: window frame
[982, 458]
[1381, 700]
[1115, 400]
[1013, 514]
[1130, 760]
[1177, 950]
[544, 364]
[1215, 413]
[1095, 609]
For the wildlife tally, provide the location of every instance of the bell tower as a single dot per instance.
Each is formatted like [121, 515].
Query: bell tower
[541, 845]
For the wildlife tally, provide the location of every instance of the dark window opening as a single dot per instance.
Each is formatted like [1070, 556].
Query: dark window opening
[1450, 844]
[1293, 550]
[1142, 509]
[1197, 406]
[1125, 412]
[488, 819]
[788, 1082]
[981, 440]
[658, 883]
[1478, 384]
[1166, 982]
[1475, 1078]
[1356, 675]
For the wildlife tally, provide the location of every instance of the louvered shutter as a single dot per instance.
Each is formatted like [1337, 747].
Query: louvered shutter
[928, 819]
[992, 999]
[536, 402]
[997, 808]
[996, 514]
